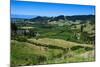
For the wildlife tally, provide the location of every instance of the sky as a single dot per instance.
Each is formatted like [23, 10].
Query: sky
[49, 9]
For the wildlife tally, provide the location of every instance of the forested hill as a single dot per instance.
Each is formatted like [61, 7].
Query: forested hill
[62, 17]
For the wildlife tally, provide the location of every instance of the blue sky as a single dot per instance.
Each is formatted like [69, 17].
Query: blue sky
[48, 9]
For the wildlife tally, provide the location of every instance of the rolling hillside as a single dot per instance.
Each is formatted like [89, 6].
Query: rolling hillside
[43, 51]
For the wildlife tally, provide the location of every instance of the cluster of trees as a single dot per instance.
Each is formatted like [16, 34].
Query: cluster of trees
[17, 33]
[13, 27]
[87, 38]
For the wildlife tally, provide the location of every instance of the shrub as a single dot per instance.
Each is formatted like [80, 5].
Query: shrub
[21, 38]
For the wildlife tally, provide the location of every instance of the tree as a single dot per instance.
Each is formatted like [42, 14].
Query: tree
[13, 27]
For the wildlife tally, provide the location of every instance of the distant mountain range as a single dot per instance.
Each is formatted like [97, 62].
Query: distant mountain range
[45, 19]
[62, 17]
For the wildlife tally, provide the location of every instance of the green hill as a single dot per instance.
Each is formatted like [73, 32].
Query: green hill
[46, 50]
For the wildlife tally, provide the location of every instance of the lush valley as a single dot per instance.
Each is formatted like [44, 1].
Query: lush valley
[48, 40]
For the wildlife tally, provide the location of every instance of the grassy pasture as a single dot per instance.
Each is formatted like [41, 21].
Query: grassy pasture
[59, 43]
[30, 53]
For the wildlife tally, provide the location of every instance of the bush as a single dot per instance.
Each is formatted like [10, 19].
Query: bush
[21, 38]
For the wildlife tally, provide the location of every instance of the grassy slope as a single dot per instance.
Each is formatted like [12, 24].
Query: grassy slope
[58, 42]
[27, 53]
[24, 53]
